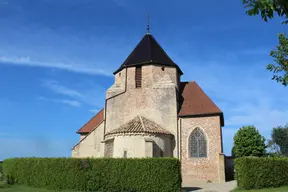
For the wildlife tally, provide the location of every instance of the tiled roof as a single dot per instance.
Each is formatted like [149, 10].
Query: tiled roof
[196, 102]
[139, 125]
[148, 51]
[92, 123]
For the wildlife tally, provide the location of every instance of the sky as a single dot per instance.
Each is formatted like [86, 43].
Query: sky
[57, 58]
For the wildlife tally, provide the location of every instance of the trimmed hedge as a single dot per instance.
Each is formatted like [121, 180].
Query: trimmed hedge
[263, 172]
[103, 174]
[1, 171]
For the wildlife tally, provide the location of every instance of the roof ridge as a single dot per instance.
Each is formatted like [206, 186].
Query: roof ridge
[152, 127]
[149, 47]
[143, 126]
[87, 134]
[91, 119]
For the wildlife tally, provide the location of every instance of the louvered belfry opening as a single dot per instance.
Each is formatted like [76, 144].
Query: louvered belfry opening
[138, 76]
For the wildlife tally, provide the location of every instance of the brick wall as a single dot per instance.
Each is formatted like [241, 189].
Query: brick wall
[205, 168]
[155, 100]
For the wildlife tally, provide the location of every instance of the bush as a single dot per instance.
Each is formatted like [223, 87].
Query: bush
[103, 174]
[263, 172]
[1, 172]
[248, 142]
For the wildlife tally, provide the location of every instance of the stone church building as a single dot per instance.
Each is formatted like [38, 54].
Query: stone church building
[150, 112]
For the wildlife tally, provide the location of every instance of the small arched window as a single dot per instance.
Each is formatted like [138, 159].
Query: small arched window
[197, 144]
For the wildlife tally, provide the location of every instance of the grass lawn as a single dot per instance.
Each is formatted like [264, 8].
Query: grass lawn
[281, 189]
[16, 188]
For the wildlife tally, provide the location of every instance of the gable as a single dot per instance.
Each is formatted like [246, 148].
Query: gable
[195, 102]
[93, 122]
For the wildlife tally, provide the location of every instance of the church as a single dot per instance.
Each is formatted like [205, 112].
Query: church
[150, 112]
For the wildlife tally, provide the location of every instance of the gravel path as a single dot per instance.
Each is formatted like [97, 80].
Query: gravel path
[211, 187]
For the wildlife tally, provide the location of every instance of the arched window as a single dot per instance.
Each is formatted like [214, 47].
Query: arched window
[197, 144]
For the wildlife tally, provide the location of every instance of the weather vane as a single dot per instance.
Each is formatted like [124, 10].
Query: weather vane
[148, 24]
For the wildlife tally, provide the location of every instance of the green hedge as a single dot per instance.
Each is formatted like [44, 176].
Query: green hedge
[263, 172]
[103, 174]
[1, 172]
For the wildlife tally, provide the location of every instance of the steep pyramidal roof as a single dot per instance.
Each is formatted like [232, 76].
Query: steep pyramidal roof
[148, 51]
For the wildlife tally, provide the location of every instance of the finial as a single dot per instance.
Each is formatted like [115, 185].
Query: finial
[148, 24]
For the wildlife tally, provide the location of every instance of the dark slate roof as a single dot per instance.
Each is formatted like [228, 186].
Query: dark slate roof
[148, 51]
[139, 125]
[195, 102]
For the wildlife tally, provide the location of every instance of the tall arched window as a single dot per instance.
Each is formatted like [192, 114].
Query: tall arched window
[197, 144]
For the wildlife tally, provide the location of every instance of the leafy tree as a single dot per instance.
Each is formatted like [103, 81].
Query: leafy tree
[279, 140]
[248, 142]
[280, 56]
[267, 9]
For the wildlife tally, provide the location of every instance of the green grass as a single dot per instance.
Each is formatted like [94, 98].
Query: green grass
[281, 189]
[16, 188]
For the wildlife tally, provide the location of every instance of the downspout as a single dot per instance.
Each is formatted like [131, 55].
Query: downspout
[180, 141]
[177, 122]
[125, 88]
[178, 147]
[178, 119]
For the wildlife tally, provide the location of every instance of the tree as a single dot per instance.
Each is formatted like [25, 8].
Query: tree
[279, 140]
[280, 56]
[248, 142]
[267, 10]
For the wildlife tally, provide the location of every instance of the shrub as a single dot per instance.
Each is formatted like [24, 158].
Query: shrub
[263, 172]
[1, 172]
[103, 174]
[248, 142]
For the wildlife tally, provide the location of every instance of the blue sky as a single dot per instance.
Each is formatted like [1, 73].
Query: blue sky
[57, 58]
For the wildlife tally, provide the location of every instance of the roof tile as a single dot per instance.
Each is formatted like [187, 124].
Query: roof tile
[135, 126]
[195, 101]
[92, 123]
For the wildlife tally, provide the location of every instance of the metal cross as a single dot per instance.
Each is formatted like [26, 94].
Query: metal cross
[148, 24]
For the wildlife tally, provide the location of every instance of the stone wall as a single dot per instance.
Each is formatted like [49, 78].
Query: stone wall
[91, 145]
[155, 100]
[136, 145]
[208, 168]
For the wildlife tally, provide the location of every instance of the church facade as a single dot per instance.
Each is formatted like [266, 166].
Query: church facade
[149, 112]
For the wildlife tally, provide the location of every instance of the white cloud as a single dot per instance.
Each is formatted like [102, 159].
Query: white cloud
[94, 95]
[60, 89]
[72, 103]
[79, 68]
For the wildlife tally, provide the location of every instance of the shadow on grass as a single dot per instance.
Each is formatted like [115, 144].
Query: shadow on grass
[186, 189]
